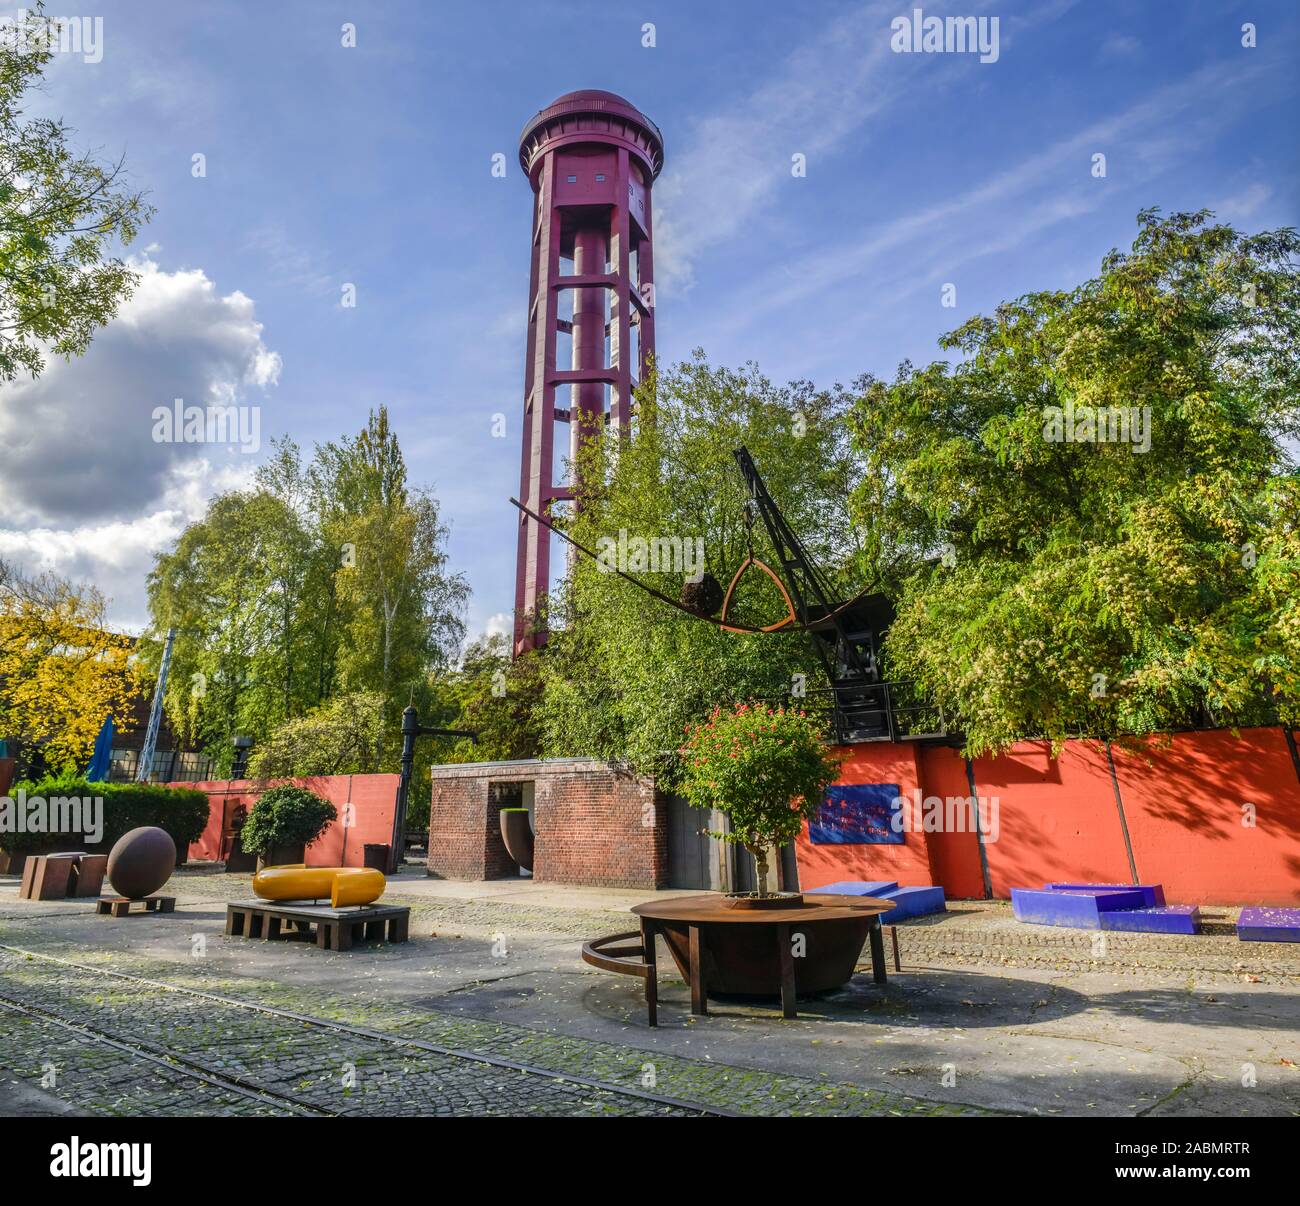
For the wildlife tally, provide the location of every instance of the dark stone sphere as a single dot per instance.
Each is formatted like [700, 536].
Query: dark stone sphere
[703, 597]
[141, 861]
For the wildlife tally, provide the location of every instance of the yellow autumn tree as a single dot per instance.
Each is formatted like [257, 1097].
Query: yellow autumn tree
[61, 671]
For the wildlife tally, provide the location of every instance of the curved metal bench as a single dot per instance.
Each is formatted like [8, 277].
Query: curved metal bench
[637, 959]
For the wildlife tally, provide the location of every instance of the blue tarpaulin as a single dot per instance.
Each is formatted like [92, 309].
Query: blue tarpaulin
[102, 757]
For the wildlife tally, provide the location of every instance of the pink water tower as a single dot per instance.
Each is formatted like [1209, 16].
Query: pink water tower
[591, 158]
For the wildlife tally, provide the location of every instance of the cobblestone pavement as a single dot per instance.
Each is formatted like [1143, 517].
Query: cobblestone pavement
[983, 932]
[320, 1071]
[988, 1016]
[338, 1073]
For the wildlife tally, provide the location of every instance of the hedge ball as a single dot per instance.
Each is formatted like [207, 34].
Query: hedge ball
[141, 861]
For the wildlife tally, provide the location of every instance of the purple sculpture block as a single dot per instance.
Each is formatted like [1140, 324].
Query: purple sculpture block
[857, 887]
[1081, 910]
[1160, 919]
[1269, 925]
[1154, 894]
[913, 902]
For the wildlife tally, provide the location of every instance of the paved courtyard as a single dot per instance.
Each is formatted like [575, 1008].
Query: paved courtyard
[489, 1010]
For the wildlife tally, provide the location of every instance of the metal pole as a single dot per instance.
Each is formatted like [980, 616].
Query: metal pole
[979, 831]
[155, 712]
[410, 729]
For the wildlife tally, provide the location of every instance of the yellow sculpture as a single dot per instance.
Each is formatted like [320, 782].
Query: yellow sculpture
[343, 885]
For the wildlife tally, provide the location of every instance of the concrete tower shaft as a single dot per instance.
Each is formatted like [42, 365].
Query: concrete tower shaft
[591, 159]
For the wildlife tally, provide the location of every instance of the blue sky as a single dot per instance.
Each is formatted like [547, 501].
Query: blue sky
[371, 166]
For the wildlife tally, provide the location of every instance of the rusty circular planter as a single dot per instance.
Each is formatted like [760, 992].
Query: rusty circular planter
[517, 834]
[742, 960]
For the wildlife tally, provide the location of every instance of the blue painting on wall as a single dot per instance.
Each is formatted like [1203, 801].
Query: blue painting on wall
[858, 814]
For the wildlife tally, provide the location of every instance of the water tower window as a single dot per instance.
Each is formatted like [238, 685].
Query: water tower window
[573, 180]
[600, 175]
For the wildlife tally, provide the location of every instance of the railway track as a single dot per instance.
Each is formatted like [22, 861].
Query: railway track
[516, 1075]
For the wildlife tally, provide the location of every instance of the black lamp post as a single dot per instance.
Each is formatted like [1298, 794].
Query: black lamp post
[411, 729]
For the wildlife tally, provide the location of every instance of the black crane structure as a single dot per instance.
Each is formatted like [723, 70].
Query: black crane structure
[847, 635]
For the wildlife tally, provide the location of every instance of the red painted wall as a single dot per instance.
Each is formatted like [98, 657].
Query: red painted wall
[1058, 819]
[909, 863]
[955, 857]
[365, 805]
[1184, 810]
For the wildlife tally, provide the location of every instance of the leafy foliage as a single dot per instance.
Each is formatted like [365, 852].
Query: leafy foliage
[1050, 588]
[286, 816]
[61, 673]
[624, 675]
[766, 769]
[338, 738]
[322, 580]
[181, 811]
[60, 212]
[496, 697]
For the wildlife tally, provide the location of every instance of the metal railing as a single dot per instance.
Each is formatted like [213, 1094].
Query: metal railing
[859, 712]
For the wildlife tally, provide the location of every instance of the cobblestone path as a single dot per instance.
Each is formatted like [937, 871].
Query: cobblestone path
[287, 1066]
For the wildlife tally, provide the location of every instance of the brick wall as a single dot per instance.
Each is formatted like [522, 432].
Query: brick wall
[594, 824]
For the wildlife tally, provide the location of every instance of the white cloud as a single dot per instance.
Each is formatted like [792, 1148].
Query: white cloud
[1030, 189]
[1243, 205]
[84, 488]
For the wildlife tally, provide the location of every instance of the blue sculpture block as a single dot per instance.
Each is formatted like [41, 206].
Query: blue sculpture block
[913, 902]
[1269, 925]
[857, 887]
[1160, 919]
[1081, 909]
[1153, 893]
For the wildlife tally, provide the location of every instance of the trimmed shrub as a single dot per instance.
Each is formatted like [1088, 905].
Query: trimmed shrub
[286, 816]
[181, 811]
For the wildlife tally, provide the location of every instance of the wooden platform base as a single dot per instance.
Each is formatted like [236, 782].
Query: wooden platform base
[120, 906]
[335, 929]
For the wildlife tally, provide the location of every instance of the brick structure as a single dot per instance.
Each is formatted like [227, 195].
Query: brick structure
[594, 823]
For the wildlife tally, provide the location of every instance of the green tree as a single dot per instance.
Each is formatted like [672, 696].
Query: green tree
[1054, 581]
[623, 674]
[338, 738]
[766, 769]
[242, 588]
[60, 214]
[319, 580]
[399, 606]
[497, 698]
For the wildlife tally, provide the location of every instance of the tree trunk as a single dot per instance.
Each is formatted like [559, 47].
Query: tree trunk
[760, 866]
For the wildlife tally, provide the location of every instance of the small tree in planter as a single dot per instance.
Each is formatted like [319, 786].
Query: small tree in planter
[766, 769]
[285, 817]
